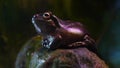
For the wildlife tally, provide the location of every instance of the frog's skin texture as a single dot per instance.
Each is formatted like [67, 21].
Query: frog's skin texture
[58, 33]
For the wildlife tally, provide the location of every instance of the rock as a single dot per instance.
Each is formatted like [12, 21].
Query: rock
[33, 55]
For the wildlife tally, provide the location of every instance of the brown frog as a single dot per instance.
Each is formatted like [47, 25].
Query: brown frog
[60, 34]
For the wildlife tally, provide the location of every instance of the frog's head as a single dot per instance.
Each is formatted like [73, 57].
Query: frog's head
[45, 23]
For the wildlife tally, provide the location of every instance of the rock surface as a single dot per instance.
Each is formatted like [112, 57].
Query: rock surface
[33, 55]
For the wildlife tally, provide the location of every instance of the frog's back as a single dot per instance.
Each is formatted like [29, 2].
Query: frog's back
[73, 27]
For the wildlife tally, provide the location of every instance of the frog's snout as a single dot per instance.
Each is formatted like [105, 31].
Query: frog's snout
[37, 17]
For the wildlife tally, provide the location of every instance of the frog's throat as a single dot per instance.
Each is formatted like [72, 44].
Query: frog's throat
[36, 27]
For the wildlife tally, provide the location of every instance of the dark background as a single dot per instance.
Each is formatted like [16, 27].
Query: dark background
[101, 18]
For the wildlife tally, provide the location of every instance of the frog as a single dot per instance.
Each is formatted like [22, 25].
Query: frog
[62, 34]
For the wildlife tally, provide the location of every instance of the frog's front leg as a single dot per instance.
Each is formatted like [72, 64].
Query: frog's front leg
[51, 42]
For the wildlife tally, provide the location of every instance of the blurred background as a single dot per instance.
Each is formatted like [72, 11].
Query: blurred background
[100, 17]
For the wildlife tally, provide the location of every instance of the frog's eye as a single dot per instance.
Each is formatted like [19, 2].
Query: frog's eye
[46, 15]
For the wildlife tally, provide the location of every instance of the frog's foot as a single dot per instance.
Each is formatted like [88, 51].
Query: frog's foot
[46, 43]
[51, 42]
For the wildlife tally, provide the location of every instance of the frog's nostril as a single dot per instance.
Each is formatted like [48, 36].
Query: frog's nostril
[36, 15]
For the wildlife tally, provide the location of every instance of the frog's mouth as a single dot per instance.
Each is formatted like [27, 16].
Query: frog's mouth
[36, 26]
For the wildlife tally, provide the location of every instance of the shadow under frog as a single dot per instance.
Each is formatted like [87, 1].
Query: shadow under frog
[59, 34]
